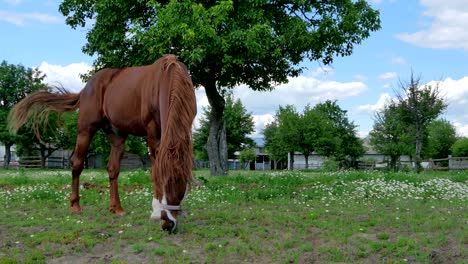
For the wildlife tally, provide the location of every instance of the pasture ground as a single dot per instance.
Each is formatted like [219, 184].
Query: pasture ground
[246, 217]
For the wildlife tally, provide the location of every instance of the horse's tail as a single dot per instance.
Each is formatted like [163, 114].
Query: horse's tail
[37, 107]
[175, 153]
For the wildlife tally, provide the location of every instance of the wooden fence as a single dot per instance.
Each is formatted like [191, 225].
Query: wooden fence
[132, 161]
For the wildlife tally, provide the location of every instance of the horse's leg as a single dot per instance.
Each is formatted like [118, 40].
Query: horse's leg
[153, 135]
[82, 143]
[113, 167]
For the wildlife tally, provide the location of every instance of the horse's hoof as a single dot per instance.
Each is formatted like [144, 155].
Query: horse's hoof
[76, 209]
[119, 212]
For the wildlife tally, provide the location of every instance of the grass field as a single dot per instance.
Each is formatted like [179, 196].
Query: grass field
[246, 217]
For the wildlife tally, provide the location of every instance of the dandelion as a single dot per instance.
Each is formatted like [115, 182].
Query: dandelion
[121, 231]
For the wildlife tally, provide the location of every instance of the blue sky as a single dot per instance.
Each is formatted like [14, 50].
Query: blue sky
[428, 37]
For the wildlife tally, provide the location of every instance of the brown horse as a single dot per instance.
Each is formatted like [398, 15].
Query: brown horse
[157, 101]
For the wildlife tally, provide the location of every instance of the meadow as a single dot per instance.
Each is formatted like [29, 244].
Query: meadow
[246, 217]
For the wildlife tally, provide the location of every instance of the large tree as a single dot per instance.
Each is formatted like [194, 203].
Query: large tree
[224, 43]
[419, 105]
[390, 135]
[16, 82]
[239, 124]
[341, 141]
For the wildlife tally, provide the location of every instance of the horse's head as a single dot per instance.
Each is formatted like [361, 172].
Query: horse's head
[167, 209]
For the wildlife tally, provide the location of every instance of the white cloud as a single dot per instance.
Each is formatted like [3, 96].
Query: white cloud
[449, 20]
[455, 93]
[20, 19]
[462, 129]
[388, 76]
[260, 122]
[399, 60]
[299, 91]
[360, 77]
[67, 76]
[372, 108]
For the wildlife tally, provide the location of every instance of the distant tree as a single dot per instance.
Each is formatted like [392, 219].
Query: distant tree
[247, 155]
[289, 132]
[273, 145]
[441, 135]
[419, 106]
[136, 145]
[27, 144]
[460, 148]
[16, 82]
[341, 141]
[224, 43]
[239, 124]
[324, 129]
[389, 135]
[200, 137]
[314, 132]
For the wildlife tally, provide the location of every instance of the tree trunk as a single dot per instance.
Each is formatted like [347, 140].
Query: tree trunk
[7, 158]
[418, 149]
[291, 160]
[216, 145]
[306, 156]
[393, 162]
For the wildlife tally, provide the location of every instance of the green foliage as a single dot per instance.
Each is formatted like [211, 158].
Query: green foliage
[419, 106]
[136, 145]
[239, 124]
[273, 144]
[247, 155]
[441, 135]
[331, 164]
[341, 140]
[324, 129]
[389, 135]
[256, 43]
[16, 82]
[288, 127]
[460, 148]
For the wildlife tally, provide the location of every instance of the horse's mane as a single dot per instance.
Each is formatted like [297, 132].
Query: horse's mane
[175, 157]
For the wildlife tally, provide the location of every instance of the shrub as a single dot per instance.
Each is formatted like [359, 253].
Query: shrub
[460, 148]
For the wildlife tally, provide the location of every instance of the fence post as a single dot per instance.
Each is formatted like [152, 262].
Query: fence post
[450, 162]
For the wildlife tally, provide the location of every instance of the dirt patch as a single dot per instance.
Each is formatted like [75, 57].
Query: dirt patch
[106, 253]
[249, 186]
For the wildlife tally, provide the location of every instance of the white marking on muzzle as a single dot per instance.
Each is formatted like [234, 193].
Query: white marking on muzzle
[158, 207]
